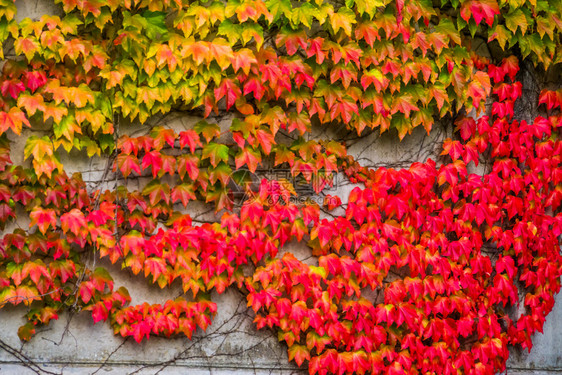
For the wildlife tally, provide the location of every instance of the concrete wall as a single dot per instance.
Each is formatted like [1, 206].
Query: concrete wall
[231, 345]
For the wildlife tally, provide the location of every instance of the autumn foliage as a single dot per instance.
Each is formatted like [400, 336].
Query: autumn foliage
[438, 268]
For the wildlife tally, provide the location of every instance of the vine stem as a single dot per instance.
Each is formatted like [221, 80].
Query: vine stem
[24, 360]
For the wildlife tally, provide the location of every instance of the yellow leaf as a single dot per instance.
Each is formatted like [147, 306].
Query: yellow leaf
[515, 19]
[343, 19]
[500, 34]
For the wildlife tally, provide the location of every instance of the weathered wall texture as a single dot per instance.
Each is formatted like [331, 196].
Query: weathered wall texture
[231, 345]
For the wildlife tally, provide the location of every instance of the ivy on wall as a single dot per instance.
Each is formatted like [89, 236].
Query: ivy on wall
[431, 269]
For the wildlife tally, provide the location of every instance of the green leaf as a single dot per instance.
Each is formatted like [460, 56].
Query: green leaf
[320, 271]
[244, 127]
[26, 331]
[103, 18]
[230, 30]
[279, 8]
[303, 15]
[515, 3]
[368, 6]
[514, 19]
[252, 31]
[403, 125]
[231, 8]
[155, 24]
[215, 152]
[102, 275]
[66, 128]
[221, 198]
[106, 141]
[70, 23]
[448, 28]
[104, 104]
[156, 192]
[207, 130]
[221, 173]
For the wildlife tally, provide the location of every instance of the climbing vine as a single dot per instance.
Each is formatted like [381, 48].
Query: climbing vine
[437, 268]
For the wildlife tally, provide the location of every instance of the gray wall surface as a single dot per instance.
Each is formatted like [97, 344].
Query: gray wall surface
[231, 345]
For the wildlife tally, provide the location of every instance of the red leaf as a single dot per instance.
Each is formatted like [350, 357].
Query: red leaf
[550, 98]
[36, 79]
[453, 148]
[243, 59]
[265, 139]
[511, 66]
[157, 192]
[249, 157]
[466, 126]
[152, 159]
[99, 312]
[228, 88]
[255, 86]
[168, 165]
[183, 193]
[188, 164]
[43, 218]
[73, 221]
[128, 145]
[399, 7]
[14, 120]
[86, 291]
[190, 138]
[162, 136]
[65, 269]
[128, 163]
[155, 267]
[480, 9]
[12, 87]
